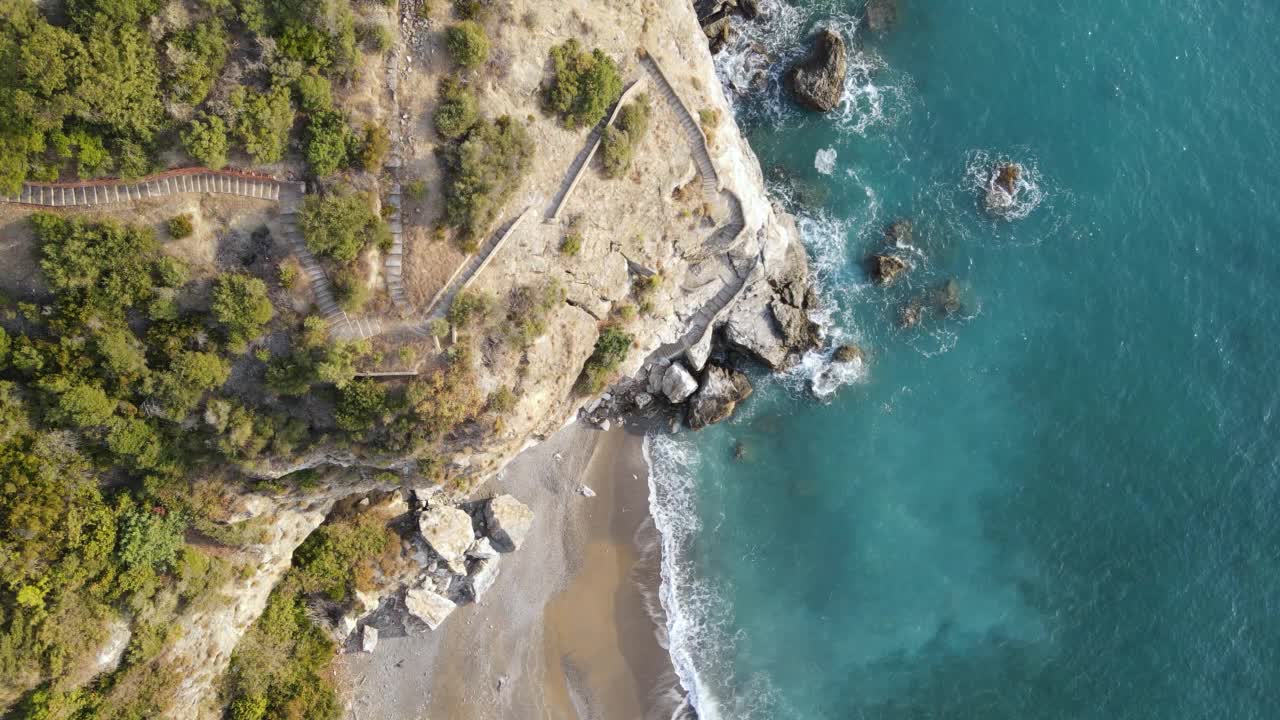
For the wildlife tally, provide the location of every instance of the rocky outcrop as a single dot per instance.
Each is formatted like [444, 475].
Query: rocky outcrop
[798, 331]
[428, 606]
[508, 521]
[818, 82]
[847, 354]
[880, 15]
[678, 384]
[721, 391]
[885, 268]
[448, 531]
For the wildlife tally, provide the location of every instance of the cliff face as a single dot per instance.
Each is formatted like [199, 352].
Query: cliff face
[692, 211]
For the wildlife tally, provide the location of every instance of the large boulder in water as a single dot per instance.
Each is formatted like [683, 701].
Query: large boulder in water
[847, 354]
[508, 520]
[880, 14]
[798, 331]
[722, 389]
[886, 268]
[818, 82]
[448, 531]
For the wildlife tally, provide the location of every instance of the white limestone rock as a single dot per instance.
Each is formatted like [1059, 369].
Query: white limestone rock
[678, 384]
[482, 577]
[368, 639]
[508, 520]
[448, 531]
[428, 606]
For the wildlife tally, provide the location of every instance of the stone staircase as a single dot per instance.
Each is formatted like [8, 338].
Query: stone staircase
[580, 163]
[693, 131]
[395, 258]
[321, 289]
[173, 182]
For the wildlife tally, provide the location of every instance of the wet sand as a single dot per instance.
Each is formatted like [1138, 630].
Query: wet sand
[564, 633]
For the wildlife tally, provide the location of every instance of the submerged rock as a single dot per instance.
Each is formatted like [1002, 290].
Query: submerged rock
[678, 384]
[818, 82]
[739, 451]
[428, 606]
[899, 232]
[947, 297]
[508, 520]
[885, 268]
[909, 315]
[880, 14]
[722, 389]
[448, 531]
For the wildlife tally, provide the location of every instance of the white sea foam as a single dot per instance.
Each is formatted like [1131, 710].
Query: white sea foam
[825, 161]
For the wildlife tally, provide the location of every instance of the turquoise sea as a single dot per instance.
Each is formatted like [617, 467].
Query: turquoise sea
[1062, 501]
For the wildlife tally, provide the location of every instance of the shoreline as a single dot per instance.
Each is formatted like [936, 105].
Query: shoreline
[566, 628]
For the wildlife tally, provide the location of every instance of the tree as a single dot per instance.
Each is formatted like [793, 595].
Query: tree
[361, 405]
[191, 373]
[206, 141]
[84, 405]
[315, 94]
[467, 43]
[457, 111]
[263, 122]
[611, 349]
[583, 86]
[241, 304]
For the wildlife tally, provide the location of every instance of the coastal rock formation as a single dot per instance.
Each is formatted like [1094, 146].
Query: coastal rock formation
[1003, 188]
[880, 14]
[909, 315]
[699, 352]
[886, 268]
[448, 531]
[818, 82]
[508, 521]
[722, 389]
[428, 606]
[899, 233]
[482, 577]
[947, 297]
[678, 384]
[798, 331]
[847, 353]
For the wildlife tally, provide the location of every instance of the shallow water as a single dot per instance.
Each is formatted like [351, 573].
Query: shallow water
[1060, 501]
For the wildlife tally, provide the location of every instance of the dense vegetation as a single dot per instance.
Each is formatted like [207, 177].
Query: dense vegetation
[584, 84]
[117, 82]
[611, 349]
[484, 171]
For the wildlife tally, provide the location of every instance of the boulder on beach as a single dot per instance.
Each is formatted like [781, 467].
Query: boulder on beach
[885, 268]
[368, 639]
[483, 574]
[428, 606]
[508, 521]
[678, 384]
[818, 82]
[880, 15]
[448, 531]
[482, 549]
[721, 391]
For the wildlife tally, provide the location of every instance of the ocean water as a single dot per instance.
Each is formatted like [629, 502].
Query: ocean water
[1062, 500]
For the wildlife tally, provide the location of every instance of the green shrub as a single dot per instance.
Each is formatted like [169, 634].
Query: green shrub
[206, 141]
[473, 9]
[501, 401]
[198, 54]
[468, 305]
[527, 309]
[328, 142]
[240, 303]
[377, 143]
[340, 225]
[611, 349]
[467, 43]
[375, 36]
[456, 111]
[315, 94]
[572, 244]
[416, 190]
[623, 136]
[349, 290]
[362, 404]
[179, 226]
[583, 86]
[483, 172]
[287, 274]
[263, 122]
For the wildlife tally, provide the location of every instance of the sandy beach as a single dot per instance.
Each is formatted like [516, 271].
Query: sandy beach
[563, 633]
